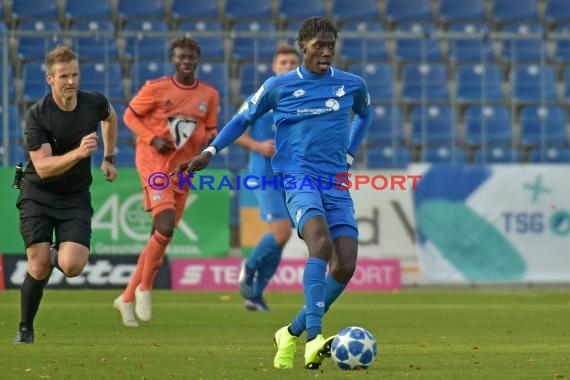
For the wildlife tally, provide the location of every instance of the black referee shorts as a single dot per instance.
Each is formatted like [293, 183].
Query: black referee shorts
[38, 222]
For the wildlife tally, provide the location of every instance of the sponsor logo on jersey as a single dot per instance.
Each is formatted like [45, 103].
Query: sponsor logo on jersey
[203, 107]
[181, 129]
[333, 104]
[338, 91]
[298, 93]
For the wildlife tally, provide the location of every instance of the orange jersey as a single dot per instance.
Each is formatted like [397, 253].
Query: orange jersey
[186, 115]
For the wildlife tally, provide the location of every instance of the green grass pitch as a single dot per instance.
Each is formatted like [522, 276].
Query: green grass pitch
[421, 334]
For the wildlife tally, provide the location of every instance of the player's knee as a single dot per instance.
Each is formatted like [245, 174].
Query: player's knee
[322, 247]
[39, 271]
[343, 272]
[72, 269]
[281, 237]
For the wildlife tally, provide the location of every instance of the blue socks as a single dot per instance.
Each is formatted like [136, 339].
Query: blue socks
[266, 271]
[314, 289]
[266, 247]
[333, 289]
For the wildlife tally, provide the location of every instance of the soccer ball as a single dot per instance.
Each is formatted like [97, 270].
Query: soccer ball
[354, 348]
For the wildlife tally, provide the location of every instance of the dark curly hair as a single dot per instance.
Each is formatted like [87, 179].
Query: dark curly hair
[184, 42]
[315, 25]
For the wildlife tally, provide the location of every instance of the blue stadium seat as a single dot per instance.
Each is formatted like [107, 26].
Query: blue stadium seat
[226, 112]
[145, 25]
[424, 82]
[237, 157]
[212, 46]
[45, 36]
[509, 10]
[387, 126]
[567, 83]
[417, 42]
[443, 155]
[479, 83]
[453, 10]
[433, 125]
[251, 76]
[141, 71]
[191, 9]
[533, 83]
[215, 74]
[100, 43]
[10, 82]
[127, 9]
[239, 10]
[550, 155]
[387, 157]
[408, 10]
[497, 155]
[488, 125]
[361, 48]
[562, 44]
[476, 46]
[250, 47]
[521, 48]
[34, 81]
[124, 155]
[14, 124]
[379, 79]
[81, 9]
[125, 135]
[34, 10]
[17, 154]
[361, 10]
[557, 11]
[106, 78]
[542, 125]
[300, 9]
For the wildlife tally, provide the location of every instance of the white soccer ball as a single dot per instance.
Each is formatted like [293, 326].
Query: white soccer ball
[354, 348]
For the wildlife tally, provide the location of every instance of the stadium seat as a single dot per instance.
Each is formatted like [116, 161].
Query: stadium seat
[300, 9]
[81, 9]
[125, 135]
[251, 76]
[542, 125]
[387, 126]
[508, 10]
[34, 81]
[443, 155]
[562, 43]
[453, 10]
[476, 46]
[97, 42]
[191, 9]
[408, 10]
[379, 80]
[361, 10]
[528, 44]
[14, 124]
[240, 10]
[433, 125]
[216, 74]
[550, 155]
[387, 157]
[9, 83]
[226, 112]
[488, 125]
[557, 11]
[424, 82]
[34, 10]
[17, 154]
[363, 48]
[128, 9]
[417, 42]
[533, 83]
[142, 71]
[106, 78]
[212, 45]
[237, 157]
[478, 83]
[567, 83]
[124, 155]
[42, 36]
[497, 155]
[248, 46]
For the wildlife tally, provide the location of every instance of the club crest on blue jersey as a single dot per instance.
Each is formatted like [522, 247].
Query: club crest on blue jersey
[338, 91]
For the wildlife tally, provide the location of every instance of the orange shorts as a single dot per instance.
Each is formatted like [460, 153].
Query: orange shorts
[156, 201]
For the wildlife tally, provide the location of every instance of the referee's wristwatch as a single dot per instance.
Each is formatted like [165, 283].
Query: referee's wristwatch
[110, 159]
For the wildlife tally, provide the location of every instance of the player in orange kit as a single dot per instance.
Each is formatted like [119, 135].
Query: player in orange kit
[173, 117]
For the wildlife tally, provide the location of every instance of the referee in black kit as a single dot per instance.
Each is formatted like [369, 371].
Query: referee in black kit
[60, 134]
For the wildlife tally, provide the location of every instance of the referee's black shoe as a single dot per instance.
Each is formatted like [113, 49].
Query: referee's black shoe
[24, 336]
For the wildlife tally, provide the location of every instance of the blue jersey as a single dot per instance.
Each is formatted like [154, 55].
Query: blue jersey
[262, 129]
[312, 114]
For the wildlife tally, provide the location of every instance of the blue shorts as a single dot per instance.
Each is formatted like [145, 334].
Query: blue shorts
[271, 204]
[305, 201]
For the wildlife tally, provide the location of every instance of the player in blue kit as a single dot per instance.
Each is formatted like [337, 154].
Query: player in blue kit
[312, 107]
[258, 269]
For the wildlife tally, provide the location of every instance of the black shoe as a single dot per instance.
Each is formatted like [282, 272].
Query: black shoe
[24, 336]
